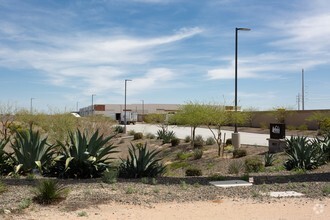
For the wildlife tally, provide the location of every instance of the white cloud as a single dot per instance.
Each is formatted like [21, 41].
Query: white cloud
[95, 63]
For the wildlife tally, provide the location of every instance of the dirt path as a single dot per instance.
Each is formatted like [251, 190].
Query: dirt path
[281, 209]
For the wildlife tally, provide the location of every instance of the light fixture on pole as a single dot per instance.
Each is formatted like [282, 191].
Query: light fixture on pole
[93, 103]
[235, 135]
[125, 120]
[31, 106]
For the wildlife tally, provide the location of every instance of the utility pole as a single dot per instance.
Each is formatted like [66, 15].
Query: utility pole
[302, 90]
[298, 101]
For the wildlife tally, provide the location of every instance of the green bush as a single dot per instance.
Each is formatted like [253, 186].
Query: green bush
[210, 141]
[141, 163]
[49, 191]
[83, 157]
[237, 153]
[175, 141]
[150, 136]
[31, 152]
[269, 159]
[166, 136]
[253, 165]
[187, 139]
[119, 129]
[138, 136]
[304, 153]
[235, 167]
[303, 127]
[194, 172]
[110, 176]
[199, 141]
[131, 132]
[198, 153]
[229, 148]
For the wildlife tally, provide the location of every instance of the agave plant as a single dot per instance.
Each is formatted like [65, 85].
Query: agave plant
[31, 151]
[49, 191]
[324, 145]
[5, 162]
[84, 157]
[141, 163]
[304, 154]
[269, 159]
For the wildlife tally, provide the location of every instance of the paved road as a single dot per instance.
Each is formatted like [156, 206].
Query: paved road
[182, 132]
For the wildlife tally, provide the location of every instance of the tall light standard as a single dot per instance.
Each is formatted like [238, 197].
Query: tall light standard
[125, 120]
[93, 103]
[31, 106]
[235, 135]
[142, 110]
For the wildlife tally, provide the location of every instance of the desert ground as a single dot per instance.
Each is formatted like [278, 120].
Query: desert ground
[281, 209]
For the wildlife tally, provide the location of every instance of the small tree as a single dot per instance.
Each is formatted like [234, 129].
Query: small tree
[216, 117]
[190, 114]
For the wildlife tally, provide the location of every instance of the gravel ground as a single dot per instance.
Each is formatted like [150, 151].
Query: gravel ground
[84, 193]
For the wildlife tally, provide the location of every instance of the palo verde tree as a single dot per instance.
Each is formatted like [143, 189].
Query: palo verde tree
[216, 116]
[191, 114]
[159, 119]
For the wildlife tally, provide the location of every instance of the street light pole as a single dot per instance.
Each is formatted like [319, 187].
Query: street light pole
[235, 136]
[93, 103]
[31, 106]
[142, 110]
[125, 120]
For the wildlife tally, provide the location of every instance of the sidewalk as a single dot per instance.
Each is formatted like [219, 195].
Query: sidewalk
[182, 132]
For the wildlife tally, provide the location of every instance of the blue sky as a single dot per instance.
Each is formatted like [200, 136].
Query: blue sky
[60, 52]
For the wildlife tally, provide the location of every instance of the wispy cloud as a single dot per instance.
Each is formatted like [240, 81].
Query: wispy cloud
[97, 63]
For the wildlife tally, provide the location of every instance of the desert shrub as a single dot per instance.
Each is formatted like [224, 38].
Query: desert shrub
[110, 176]
[303, 127]
[141, 163]
[325, 126]
[199, 141]
[216, 177]
[269, 159]
[210, 141]
[83, 157]
[304, 153]
[131, 132]
[150, 136]
[194, 172]
[253, 165]
[138, 136]
[187, 139]
[119, 129]
[165, 135]
[31, 152]
[49, 191]
[229, 148]
[290, 127]
[198, 153]
[183, 155]
[326, 190]
[175, 141]
[237, 153]
[235, 167]
[229, 141]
